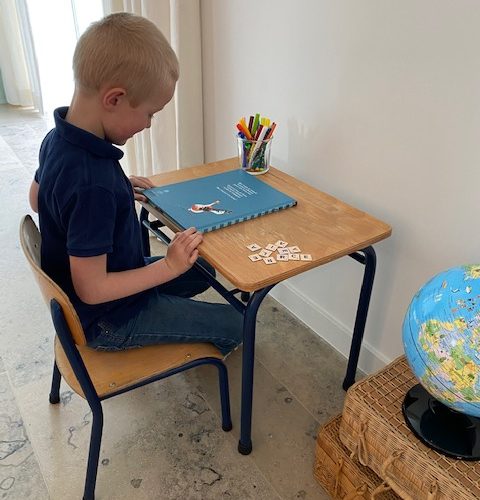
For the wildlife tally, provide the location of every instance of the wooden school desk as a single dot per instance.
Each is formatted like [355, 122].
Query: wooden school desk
[320, 225]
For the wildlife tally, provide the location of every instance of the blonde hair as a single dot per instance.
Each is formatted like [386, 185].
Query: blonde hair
[127, 51]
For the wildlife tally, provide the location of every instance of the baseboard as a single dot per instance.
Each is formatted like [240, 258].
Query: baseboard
[326, 326]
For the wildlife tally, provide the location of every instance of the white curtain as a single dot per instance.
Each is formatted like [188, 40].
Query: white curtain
[17, 56]
[175, 139]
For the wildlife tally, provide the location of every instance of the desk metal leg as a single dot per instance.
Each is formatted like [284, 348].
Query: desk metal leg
[370, 262]
[248, 356]
[144, 232]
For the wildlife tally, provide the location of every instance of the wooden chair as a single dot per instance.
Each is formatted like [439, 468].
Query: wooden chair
[99, 375]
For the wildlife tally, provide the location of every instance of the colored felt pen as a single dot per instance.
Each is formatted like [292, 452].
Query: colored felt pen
[270, 131]
[240, 128]
[255, 123]
[243, 123]
[243, 129]
[259, 130]
[248, 135]
[261, 135]
[250, 123]
[257, 146]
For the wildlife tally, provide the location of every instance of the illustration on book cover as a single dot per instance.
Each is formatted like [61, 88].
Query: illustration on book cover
[235, 192]
[198, 208]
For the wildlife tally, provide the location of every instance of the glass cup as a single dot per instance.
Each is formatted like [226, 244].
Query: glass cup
[254, 156]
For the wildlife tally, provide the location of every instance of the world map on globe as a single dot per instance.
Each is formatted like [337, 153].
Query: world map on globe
[441, 338]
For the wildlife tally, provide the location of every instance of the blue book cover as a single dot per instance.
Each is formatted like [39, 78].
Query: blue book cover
[217, 201]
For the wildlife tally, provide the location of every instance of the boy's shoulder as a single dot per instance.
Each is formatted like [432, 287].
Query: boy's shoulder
[77, 165]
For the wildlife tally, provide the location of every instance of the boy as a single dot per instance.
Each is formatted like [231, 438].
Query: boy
[125, 71]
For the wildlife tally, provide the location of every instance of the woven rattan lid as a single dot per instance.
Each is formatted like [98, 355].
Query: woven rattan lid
[383, 393]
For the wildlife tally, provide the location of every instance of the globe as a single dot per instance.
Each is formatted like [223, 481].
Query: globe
[441, 337]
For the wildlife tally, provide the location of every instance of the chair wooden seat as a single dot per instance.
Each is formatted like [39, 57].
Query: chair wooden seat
[115, 371]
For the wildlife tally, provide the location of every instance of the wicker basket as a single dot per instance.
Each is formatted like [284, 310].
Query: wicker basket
[374, 430]
[341, 476]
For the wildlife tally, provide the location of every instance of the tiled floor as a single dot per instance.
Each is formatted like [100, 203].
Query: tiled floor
[163, 441]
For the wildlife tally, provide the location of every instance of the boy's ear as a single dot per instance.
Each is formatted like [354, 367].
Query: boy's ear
[113, 97]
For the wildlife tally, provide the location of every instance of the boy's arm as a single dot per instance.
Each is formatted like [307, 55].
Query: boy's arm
[33, 196]
[94, 285]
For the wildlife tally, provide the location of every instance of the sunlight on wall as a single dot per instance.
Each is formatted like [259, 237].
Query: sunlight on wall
[54, 26]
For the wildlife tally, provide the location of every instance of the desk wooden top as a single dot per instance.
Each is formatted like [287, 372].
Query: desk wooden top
[319, 224]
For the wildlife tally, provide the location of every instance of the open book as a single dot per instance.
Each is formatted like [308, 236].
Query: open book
[217, 201]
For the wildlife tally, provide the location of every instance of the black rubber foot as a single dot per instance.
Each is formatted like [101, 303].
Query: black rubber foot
[54, 399]
[347, 384]
[227, 428]
[245, 450]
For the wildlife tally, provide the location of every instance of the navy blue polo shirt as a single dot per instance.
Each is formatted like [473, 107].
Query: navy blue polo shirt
[86, 208]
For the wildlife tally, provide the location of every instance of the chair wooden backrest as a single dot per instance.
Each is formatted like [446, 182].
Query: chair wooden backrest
[31, 242]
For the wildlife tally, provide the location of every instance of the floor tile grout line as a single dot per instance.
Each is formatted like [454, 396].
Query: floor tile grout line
[229, 435]
[299, 401]
[275, 378]
[21, 411]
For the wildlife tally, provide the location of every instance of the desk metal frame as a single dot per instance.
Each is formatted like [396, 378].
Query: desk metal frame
[249, 310]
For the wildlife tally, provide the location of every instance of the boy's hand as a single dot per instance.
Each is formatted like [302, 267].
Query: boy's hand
[182, 251]
[138, 184]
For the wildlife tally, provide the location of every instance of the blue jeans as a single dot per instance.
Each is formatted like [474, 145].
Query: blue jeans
[168, 314]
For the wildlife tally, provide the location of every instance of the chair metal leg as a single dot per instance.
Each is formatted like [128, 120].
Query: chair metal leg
[224, 397]
[54, 397]
[94, 451]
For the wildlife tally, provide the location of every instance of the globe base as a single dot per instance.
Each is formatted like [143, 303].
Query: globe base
[445, 430]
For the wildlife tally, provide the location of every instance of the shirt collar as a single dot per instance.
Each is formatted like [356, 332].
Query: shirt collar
[84, 139]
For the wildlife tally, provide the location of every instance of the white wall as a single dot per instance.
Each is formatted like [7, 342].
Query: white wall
[378, 103]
